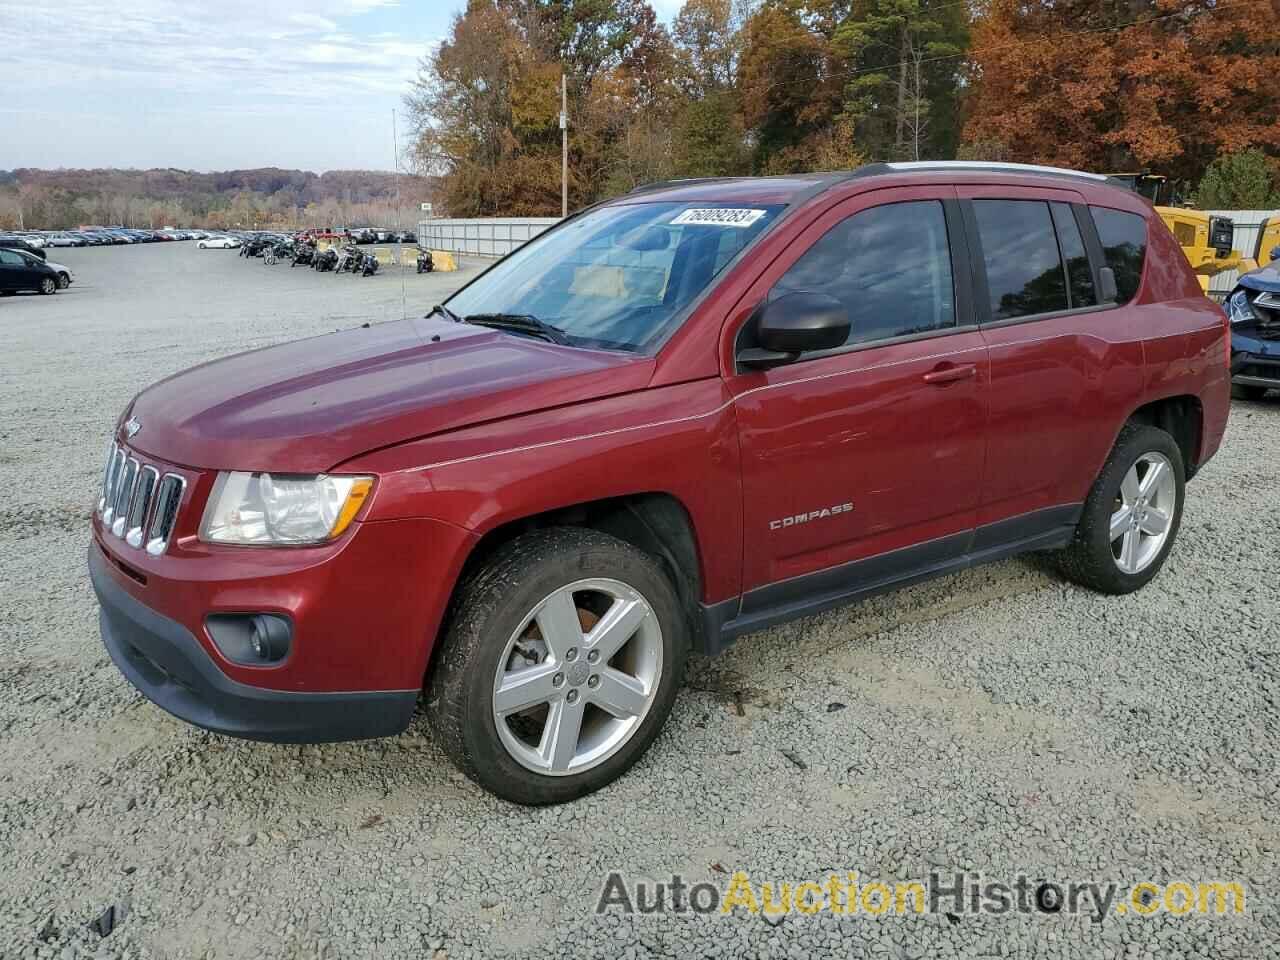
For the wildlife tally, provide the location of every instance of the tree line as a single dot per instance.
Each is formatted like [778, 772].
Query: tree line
[736, 87]
[265, 197]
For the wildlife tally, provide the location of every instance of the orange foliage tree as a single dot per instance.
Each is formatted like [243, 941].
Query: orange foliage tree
[1165, 85]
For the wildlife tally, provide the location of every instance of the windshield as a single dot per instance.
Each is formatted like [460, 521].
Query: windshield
[616, 277]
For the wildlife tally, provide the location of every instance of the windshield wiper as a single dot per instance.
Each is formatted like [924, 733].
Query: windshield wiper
[445, 312]
[519, 323]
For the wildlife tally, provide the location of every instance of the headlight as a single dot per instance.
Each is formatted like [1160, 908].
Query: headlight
[1239, 309]
[264, 508]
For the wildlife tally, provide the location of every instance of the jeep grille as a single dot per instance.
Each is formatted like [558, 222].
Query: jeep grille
[138, 503]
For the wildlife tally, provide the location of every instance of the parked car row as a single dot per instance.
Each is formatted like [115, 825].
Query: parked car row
[101, 236]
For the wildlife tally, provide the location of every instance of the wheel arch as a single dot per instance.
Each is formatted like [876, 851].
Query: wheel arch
[656, 522]
[1182, 417]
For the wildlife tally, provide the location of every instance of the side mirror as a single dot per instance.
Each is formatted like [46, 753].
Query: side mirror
[795, 324]
[1109, 293]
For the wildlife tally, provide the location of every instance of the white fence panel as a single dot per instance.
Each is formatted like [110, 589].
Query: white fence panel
[1248, 224]
[482, 237]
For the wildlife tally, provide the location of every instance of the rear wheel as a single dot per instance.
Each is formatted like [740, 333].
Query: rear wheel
[560, 666]
[48, 286]
[1131, 516]
[1243, 391]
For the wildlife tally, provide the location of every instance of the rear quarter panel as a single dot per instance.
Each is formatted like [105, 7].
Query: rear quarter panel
[1187, 341]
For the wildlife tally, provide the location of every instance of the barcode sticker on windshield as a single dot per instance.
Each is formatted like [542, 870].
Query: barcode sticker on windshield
[718, 217]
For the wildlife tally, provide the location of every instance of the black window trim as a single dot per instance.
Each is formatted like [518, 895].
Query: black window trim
[961, 285]
[982, 293]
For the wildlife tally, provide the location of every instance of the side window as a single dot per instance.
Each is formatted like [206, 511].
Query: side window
[1079, 273]
[1124, 247]
[889, 265]
[1024, 268]
[10, 259]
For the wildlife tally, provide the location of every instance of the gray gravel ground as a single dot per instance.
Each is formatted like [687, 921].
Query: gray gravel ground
[998, 721]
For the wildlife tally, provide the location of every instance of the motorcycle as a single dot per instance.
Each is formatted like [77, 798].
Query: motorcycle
[324, 262]
[425, 263]
[304, 254]
[276, 252]
[370, 265]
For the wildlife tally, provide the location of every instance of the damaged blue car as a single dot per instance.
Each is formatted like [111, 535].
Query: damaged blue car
[1254, 309]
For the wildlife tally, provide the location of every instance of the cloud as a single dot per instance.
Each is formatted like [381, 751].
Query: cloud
[200, 47]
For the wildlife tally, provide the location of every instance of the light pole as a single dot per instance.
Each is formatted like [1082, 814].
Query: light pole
[564, 146]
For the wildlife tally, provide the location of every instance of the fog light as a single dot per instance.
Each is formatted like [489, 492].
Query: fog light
[251, 639]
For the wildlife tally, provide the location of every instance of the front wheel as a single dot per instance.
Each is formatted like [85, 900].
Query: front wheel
[1132, 514]
[64, 281]
[48, 286]
[560, 666]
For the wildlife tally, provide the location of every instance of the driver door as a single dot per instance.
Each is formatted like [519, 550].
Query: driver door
[863, 464]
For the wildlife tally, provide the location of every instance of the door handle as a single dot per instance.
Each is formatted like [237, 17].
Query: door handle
[951, 373]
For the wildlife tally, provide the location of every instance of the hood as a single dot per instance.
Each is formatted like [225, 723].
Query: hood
[306, 406]
[1265, 279]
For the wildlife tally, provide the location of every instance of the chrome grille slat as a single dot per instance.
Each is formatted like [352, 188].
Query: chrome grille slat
[124, 491]
[139, 503]
[165, 516]
[105, 497]
[144, 490]
[113, 478]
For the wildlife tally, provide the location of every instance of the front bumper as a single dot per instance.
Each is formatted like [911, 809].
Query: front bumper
[169, 666]
[1254, 370]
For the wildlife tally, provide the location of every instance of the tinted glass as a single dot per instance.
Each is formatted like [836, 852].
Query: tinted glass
[11, 259]
[1079, 273]
[890, 266]
[1024, 270]
[1124, 247]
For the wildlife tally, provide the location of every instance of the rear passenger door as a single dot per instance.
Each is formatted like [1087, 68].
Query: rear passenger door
[1062, 363]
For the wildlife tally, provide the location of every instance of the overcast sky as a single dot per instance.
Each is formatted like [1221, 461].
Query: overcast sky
[212, 86]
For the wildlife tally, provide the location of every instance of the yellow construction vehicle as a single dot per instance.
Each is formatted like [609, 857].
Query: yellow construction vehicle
[1268, 246]
[1206, 240]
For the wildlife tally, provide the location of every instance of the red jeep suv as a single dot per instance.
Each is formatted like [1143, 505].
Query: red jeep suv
[679, 416]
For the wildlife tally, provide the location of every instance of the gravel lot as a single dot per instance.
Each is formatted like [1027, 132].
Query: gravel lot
[998, 721]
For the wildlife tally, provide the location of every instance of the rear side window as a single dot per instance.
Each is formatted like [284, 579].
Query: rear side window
[890, 266]
[1079, 273]
[1124, 247]
[1024, 268]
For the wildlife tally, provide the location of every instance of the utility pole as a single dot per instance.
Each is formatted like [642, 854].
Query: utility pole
[564, 146]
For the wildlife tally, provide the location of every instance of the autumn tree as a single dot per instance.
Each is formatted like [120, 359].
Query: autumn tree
[710, 140]
[791, 82]
[1141, 84]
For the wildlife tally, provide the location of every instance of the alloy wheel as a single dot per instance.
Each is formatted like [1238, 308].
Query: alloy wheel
[578, 676]
[1143, 511]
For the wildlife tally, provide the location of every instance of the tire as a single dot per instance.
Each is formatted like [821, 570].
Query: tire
[495, 611]
[64, 281]
[1250, 392]
[48, 286]
[202, 245]
[1091, 558]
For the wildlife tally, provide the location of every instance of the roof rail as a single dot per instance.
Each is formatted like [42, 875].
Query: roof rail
[995, 167]
[679, 182]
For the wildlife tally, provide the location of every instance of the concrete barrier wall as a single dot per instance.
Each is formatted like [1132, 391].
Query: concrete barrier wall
[482, 237]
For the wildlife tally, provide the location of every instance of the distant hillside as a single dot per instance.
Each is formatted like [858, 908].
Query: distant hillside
[58, 199]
